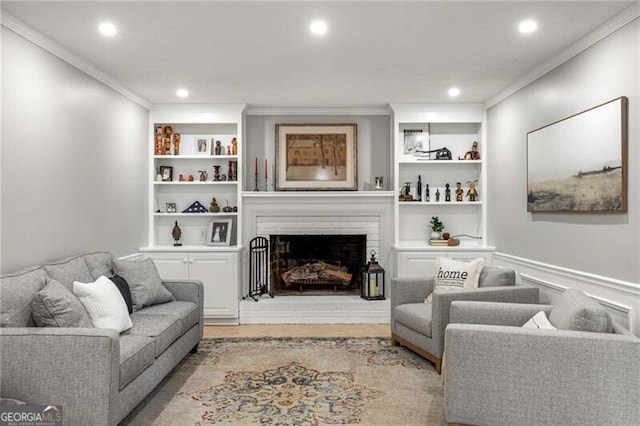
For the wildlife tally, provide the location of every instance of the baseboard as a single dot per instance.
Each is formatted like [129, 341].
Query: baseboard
[620, 298]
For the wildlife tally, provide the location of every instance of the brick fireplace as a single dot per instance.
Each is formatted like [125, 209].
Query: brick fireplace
[367, 215]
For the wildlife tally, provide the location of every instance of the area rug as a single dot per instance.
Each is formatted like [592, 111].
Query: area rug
[296, 381]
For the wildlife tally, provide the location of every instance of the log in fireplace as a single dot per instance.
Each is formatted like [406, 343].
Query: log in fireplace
[316, 264]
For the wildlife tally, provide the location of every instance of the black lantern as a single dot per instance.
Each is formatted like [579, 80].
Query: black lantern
[372, 280]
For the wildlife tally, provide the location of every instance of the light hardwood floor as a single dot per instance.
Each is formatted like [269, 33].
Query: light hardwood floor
[298, 330]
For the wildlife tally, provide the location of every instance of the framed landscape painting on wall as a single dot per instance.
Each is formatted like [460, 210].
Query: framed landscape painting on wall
[316, 157]
[579, 164]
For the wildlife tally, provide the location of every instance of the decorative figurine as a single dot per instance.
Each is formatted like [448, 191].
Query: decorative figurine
[228, 150]
[167, 131]
[471, 154]
[447, 193]
[234, 146]
[176, 233]
[216, 173]
[214, 207]
[159, 150]
[227, 208]
[427, 196]
[419, 189]
[181, 178]
[203, 175]
[176, 144]
[437, 195]
[232, 173]
[191, 178]
[405, 193]
[472, 192]
[218, 148]
[459, 192]
[223, 177]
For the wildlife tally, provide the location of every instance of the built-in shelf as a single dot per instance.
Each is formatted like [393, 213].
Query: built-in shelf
[318, 194]
[440, 203]
[189, 248]
[443, 162]
[418, 245]
[195, 157]
[196, 182]
[195, 214]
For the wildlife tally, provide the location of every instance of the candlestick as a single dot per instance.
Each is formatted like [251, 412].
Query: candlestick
[255, 188]
[265, 169]
[256, 171]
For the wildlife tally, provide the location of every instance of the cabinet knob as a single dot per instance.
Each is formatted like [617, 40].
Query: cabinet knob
[185, 260]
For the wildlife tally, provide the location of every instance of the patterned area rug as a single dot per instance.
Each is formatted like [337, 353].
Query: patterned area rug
[296, 381]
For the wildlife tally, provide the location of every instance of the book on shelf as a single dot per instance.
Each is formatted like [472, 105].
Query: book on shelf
[439, 242]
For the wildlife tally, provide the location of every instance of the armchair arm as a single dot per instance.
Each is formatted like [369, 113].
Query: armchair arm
[188, 291]
[509, 375]
[507, 294]
[513, 314]
[78, 368]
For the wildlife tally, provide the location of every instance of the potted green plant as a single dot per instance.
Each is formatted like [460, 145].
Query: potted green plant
[436, 228]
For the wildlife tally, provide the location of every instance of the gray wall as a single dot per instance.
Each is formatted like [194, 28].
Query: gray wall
[74, 161]
[374, 145]
[601, 244]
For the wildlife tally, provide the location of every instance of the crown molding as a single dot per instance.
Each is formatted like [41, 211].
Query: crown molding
[602, 32]
[310, 110]
[17, 26]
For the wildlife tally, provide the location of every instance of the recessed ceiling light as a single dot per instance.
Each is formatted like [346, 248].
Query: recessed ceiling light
[527, 27]
[318, 27]
[182, 93]
[108, 29]
[454, 91]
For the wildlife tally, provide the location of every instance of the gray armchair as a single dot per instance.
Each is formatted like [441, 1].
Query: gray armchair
[420, 326]
[504, 374]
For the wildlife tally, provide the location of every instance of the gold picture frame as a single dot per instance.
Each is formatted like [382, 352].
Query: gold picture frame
[316, 157]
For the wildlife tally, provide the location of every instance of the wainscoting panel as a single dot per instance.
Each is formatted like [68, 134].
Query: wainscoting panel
[620, 298]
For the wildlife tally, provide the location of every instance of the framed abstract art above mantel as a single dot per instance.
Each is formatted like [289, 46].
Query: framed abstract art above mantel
[579, 163]
[316, 157]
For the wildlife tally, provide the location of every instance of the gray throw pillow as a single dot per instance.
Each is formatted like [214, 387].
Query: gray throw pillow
[144, 282]
[55, 306]
[577, 311]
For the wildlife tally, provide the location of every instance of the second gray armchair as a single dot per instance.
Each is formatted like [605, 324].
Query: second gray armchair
[420, 326]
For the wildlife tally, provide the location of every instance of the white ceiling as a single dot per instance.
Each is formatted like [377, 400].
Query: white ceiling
[262, 53]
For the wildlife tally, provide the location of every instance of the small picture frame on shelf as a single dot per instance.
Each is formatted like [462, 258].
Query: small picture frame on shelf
[219, 232]
[171, 208]
[166, 172]
[416, 142]
[202, 145]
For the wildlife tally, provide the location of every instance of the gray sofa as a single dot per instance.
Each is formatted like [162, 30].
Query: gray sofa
[97, 374]
[499, 373]
[421, 326]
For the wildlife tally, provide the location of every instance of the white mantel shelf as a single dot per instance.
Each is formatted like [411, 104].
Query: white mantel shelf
[317, 194]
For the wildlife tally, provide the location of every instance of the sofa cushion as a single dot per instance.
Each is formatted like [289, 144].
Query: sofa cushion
[100, 263]
[493, 276]
[104, 303]
[187, 312]
[136, 354]
[144, 282]
[454, 275]
[577, 311]
[55, 306]
[69, 270]
[17, 291]
[163, 329]
[125, 291]
[416, 316]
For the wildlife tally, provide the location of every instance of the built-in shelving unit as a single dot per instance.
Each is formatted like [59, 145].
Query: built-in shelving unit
[420, 128]
[196, 171]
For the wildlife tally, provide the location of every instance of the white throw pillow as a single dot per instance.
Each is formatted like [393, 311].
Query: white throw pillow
[455, 275]
[540, 321]
[104, 303]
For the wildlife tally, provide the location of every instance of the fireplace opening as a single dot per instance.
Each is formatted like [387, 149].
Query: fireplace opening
[317, 264]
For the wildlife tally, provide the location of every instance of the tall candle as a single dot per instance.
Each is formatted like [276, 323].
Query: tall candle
[256, 165]
[265, 168]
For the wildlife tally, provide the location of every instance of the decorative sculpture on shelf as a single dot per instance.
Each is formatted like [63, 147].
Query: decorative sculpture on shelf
[214, 207]
[234, 146]
[176, 233]
[218, 148]
[419, 189]
[176, 144]
[472, 192]
[203, 175]
[459, 192]
[227, 208]
[437, 195]
[471, 154]
[427, 195]
[405, 193]
[447, 193]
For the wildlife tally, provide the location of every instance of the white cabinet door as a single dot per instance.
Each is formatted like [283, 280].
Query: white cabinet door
[416, 264]
[171, 266]
[219, 274]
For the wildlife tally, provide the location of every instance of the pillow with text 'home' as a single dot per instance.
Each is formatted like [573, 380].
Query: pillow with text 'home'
[455, 275]
[539, 321]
